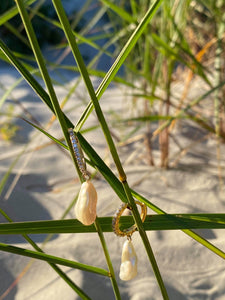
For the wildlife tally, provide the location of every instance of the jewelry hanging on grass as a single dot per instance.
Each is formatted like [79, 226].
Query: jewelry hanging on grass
[85, 207]
[78, 154]
[128, 267]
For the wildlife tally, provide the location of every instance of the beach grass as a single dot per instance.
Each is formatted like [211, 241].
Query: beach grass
[153, 46]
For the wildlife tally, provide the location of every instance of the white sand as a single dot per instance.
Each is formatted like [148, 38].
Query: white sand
[48, 184]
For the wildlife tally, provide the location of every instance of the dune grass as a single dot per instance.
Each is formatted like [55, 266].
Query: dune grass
[151, 44]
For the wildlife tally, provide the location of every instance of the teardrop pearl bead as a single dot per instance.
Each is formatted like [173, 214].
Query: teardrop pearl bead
[128, 267]
[85, 208]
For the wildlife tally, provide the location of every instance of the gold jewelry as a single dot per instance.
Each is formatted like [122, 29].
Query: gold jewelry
[115, 222]
[128, 267]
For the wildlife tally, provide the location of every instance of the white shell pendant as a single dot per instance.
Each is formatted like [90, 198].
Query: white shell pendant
[85, 207]
[128, 267]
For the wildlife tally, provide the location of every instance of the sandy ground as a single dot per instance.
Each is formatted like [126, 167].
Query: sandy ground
[47, 184]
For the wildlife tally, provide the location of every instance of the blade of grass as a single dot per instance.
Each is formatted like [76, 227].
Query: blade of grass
[41, 64]
[12, 12]
[152, 223]
[189, 232]
[16, 33]
[79, 60]
[107, 256]
[120, 59]
[45, 75]
[26, 75]
[119, 11]
[128, 47]
[81, 38]
[47, 134]
[52, 259]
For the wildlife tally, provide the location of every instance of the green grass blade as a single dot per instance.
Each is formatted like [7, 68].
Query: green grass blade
[44, 72]
[52, 259]
[121, 58]
[79, 60]
[152, 223]
[30, 80]
[128, 47]
[189, 232]
[76, 288]
[41, 64]
[119, 11]
[26, 75]
[45, 75]
[47, 134]
[108, 259]
[16, 33]
[69, 34]
[81, 39]
[12, 12]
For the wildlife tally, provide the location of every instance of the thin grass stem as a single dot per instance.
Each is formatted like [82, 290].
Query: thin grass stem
[108, 259]
[79, 60]
[52, 259]
[45, 75]
[120, 59]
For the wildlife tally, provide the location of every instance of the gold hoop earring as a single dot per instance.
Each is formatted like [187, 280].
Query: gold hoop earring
[116, 219]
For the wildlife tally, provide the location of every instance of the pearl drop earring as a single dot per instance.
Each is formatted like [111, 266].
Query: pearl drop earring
[128, 267]
[85, 207]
